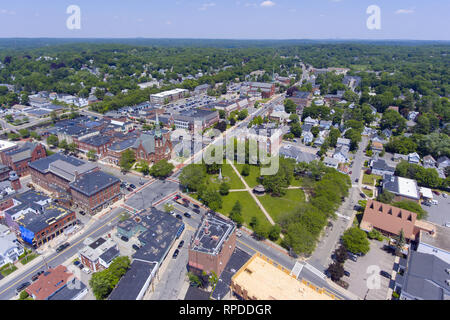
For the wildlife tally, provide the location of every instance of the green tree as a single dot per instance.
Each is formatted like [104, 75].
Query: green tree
[63, 145]
[92, 155]
[52, 140]
[24, 133]
[386, 197]
[290, 106]
[355, 240]
[192, 177]
[413, 207]
[274, 232]
[236, 214]
[162, 169]
[336, 271]
[127, 159]
[245, 170]
[224, 189]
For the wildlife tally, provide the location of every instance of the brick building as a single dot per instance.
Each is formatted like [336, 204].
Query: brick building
[57, 171]
[35, 220]
[265, 90]
[94, 191]
[99, 143]
[19, 158]
[212, 245]
[99, 254]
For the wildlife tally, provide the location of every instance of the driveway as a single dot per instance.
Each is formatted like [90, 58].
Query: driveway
[367, 268]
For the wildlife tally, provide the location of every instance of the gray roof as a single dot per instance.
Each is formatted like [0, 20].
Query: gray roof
[297, 154]
[148, 143]
[381, 164]
[69, 291]
[441, 238]
[425, 277]
[93, 182]
[42, 165]
[122, 145]
[97, 140]
[23, 152]
[133, 281]
[109, 255]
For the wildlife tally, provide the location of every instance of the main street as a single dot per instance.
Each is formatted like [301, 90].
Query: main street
[52, 259]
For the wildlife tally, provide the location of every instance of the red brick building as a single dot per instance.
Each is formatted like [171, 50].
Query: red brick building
[19, 158]
[94, 191]
[212, 245]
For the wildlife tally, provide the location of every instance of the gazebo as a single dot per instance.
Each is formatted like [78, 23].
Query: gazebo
[259, 190]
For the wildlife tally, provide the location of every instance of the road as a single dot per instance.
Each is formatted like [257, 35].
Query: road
[53, 259]
[321, 257]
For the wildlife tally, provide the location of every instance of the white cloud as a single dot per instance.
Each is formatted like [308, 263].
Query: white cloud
[267, 3]
[404, 11]
[4, 11]
[207, 5]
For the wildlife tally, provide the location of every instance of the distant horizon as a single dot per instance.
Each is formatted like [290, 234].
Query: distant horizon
[409, 20]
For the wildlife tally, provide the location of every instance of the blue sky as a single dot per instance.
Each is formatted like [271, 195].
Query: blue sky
[228, 19]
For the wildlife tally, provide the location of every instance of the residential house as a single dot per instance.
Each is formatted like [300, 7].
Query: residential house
[293, 152]
[414, 158]
[98, 255]
[311, 122]
[429, 162]
[341, 153]
[343, 142]
[381, 168]
[377, 146]
[10, 248]
[400, 157]
[325, 125]
[308, 137]
[331, 162]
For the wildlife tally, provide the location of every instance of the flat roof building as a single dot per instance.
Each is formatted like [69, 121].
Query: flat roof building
[212, 245]
[260, 279]
[402, 188]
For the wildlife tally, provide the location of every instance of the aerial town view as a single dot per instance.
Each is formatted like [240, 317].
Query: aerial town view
[224, 151]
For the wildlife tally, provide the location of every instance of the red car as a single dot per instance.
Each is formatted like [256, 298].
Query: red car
[176, 197]
[437, 193]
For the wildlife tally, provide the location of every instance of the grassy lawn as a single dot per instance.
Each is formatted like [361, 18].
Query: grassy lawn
[252, 178]
[249, 206]
[368, 193]
[276, 206]
[28, 258]
[370, 179]
[227, 171]
[296, 183]
[8, 269]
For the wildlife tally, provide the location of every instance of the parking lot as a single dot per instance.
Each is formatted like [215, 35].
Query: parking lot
[440, 213]
[365, 271]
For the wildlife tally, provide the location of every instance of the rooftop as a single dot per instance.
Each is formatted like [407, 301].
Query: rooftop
[49, 282]
[211, 234]
[257, 277]
[401, 186]
[439, 239]
[93, 182]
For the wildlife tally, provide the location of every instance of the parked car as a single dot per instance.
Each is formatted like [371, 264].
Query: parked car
[124, 238]
[196, 211]
[36, 275]
[196, 206]
[447, 224]
[81, 266]
[132, 186]
[135, 247]
[82, 213]
[436, 192]
[178, 216]
[141, 182]
[175, 254]
[346, 273]
[385, 274]
[187, 215]
[426, 203]
[123, 185]
[22, 287]
[62, 247]
[362, 195]
[352, 256]
[239, 233]
[357, 179]
[176, 197]
[444, 195]
[130, 189]
[180, 245]
[76, 263]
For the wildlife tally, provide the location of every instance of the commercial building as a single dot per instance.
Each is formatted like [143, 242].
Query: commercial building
[56, 172]
[195, 120]
[99, 143]
[391, 220]
[301, 99]
[19, 158]
[212, 245]
[171, 95]
[94, 191]
[98, 254]
[423, 277]
[261, 279]
[57, 284]
[261, 89]
[402, 188]
[436, 242]
[35, 220]
[156, 231]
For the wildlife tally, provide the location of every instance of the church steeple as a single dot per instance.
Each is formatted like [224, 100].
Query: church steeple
[157, 127]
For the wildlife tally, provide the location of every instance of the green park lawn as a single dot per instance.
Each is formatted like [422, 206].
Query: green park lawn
[252, 178]
[276, 206]
[231, 178]
[368, 193]
[249, 206]
[369, 179]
